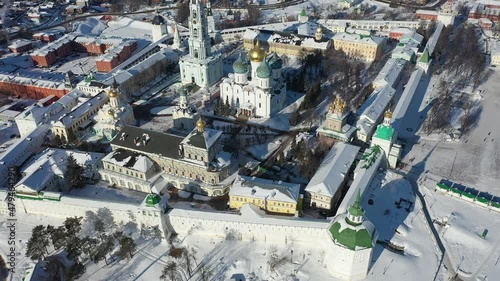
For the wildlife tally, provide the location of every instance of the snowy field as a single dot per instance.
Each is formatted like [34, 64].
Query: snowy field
[477, 258]
[475, 160]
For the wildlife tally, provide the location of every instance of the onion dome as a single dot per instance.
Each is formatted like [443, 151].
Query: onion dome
[152, 199]
[200, 125]
[158, 20]
[275, 61]
[256, 54]
[239, 66]
[263, 71]
[388, 114]
[111, 112]
[113, 91]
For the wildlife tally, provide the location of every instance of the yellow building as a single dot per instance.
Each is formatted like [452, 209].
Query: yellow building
[80, 118]
[364, 47]
[275, 197]
[286, 43]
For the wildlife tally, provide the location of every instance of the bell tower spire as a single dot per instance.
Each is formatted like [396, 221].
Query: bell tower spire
[199, 40]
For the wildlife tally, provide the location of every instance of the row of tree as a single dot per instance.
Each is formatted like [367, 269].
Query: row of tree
[184, 258]
[68, 239]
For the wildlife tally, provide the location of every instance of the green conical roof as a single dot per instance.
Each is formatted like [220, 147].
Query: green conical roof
[152, 199]
[356, 209]
[239, 66]
[425, 56]
[351, 238]
[263, 71]
[353, 235]
[303, 13]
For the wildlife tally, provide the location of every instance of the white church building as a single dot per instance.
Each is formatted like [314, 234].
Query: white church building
[200, 66]
[258, 90]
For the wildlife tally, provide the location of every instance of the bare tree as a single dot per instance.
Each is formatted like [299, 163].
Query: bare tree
[276, 260]
[182, 12]
[254, 14]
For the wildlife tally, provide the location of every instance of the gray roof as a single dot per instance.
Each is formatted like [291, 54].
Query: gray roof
[147, 141]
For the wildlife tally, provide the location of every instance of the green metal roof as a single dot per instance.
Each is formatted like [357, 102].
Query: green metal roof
[263, 71]
[351, 238]
[356, 209]
[384, 132]
[239, 66]
[152, 199]
[303, 13]
[425, 56]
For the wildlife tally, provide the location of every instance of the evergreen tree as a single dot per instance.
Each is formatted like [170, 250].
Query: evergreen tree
[169, 272]
[75, 271]
[37, 244]
[74, 173]
[103, 248]
[55, 268]
[57, 236]
[127, 247]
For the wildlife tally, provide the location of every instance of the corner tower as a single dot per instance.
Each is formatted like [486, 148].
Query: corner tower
[159, 26]
[353, 240]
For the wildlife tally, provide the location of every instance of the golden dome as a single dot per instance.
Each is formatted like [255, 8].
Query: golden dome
[200, 124]
[256, 54]
[112, 93]
[331, 107]
[319, 29]
[111, 112]
[388, 114]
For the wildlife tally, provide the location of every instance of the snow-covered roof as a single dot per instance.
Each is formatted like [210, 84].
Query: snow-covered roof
[403, 52]
[19, 152]
[41, 80]
[405, 99]
[427, 12]
[356, 38]
[203, 140]
[54, 45]
[371, 115]
[365, 170]
[87, 105]
[403, 30]
[272, 36]
[431, 43]
[249, 214]
[265, 189]
[130, 160]
[333, 170]
[411, 37]
[390, 73]
[52, 163]
[19, 43]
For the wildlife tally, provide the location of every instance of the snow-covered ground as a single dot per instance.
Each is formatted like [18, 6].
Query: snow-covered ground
[263, 151]
[476, 258]
[401, 227]
[473, 161]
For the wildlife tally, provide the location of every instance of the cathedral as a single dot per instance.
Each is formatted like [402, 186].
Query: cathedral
[200, 66]
[114, 115]
[258, 89]
[335, 125]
